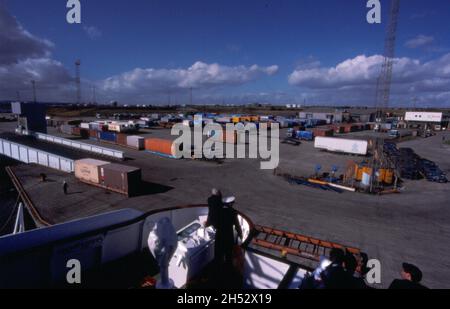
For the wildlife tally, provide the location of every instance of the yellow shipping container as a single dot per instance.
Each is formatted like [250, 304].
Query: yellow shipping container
[245, 119]
[381, 174]
[389, 177]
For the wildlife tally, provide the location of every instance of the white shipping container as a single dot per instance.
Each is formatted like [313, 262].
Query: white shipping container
[137, 142]
[423, 117]
[333, 144]
[114, 127]
[223, 119]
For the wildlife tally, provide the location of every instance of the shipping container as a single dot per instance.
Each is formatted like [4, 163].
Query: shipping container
[76, 131]
[351, 146]
[95, 126]
[235, 119]
[305, 135]
[121, 178]
[223, 120]
[66, 129]
[84, 133]
[121, 139]
[108, 137]
[94, 134]
[89, 170]
[161, 146]
[423, 116]
[324, 132]
[137, 142]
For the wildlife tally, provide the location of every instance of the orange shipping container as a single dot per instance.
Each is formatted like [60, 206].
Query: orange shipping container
[323, 132]
[358, 172]
[389, 177]
[89, 170]
[161, 146]
[381, 174]
[121, 139]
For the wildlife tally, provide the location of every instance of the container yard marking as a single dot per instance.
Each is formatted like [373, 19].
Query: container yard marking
[214, 146]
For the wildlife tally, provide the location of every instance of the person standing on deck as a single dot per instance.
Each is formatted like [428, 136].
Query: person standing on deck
[65, 187]
[227, 222]
[214, 207]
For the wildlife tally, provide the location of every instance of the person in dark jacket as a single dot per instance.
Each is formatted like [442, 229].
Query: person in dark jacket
[335, 276]
[227, 222]
[214, 206]
[355, 280]
[411, 277]
[65, 187]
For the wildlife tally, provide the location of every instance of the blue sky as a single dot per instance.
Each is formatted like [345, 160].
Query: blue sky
[116, 37]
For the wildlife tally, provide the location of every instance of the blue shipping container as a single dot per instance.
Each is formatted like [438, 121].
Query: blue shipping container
[108, 136]
[305, 135]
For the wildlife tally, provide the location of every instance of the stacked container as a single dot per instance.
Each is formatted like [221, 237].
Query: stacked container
[84, 125]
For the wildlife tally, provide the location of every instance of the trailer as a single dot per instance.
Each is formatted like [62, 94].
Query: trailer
[342, 145]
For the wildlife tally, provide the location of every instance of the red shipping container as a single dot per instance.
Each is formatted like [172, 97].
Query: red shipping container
[93, 133]
[76, 131]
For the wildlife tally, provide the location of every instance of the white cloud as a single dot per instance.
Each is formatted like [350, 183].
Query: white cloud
[25, 57]
[92, 32]
[16, 43]
[419, 41]
[199, 76]
[353, 80]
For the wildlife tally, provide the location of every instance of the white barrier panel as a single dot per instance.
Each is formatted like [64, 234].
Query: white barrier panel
[83, 146]
[30, 155]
